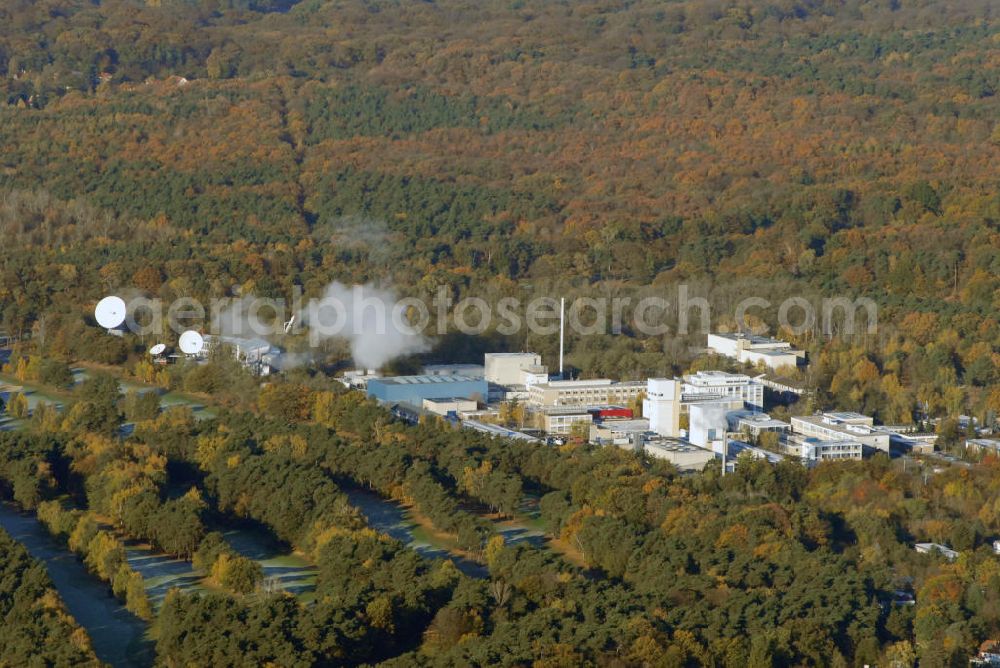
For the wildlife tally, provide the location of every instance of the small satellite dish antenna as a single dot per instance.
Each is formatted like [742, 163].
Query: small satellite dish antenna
[110, 312]
[158, 349]
[191, 342]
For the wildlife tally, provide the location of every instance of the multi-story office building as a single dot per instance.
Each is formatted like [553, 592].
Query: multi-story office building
[843, 426]
[726, 384]
[596, 392]
[561, 420]
[812, 450]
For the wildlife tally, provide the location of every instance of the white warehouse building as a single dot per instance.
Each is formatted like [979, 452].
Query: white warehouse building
[752, 349]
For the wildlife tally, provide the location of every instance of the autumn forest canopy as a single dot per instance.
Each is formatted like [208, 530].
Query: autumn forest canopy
[499, 148]
[521, 148]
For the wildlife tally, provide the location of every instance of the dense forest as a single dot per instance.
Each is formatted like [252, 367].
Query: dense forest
[37, 630]
[772, 565]
[524, 148]
[502, 148]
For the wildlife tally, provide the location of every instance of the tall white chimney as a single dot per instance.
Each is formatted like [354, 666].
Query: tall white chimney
[562, 333]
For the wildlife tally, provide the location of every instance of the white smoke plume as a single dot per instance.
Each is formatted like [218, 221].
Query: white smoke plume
[373, 320]
[288, 361]
[234, 320]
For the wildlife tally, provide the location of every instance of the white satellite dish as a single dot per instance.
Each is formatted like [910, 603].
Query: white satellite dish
[191, 342]
[110, 312]
[158, 349]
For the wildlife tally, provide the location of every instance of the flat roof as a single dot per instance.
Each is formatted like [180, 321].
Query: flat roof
[512, 355]
[426, 379]
[740, 446]
[799, 439]
[497, 430]
[707, 398]
[568, 410]
[626, 425]
[763, 420]
[752, 338]
[448, 400]
[592, 382]
[714, 373]
[943, 549]
[239, 341]
[782, 352]
[847, 415]
[837, 424]
[675, 445]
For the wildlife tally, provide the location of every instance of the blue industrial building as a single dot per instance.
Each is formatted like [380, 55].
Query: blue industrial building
[414, 389]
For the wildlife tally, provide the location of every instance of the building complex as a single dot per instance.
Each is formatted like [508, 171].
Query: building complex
[595, 392]
[688, 421]
[751, 349]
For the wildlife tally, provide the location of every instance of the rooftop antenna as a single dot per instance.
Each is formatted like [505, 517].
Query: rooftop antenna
[191, 342]
[110, 313]
[562, 333]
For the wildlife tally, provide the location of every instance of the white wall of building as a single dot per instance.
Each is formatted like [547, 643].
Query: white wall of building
[445, 406]
[505, 368]
[682, 455]
[723, 345]
[772, 353]
[662, 406]
[532, 376]
[771, 359]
